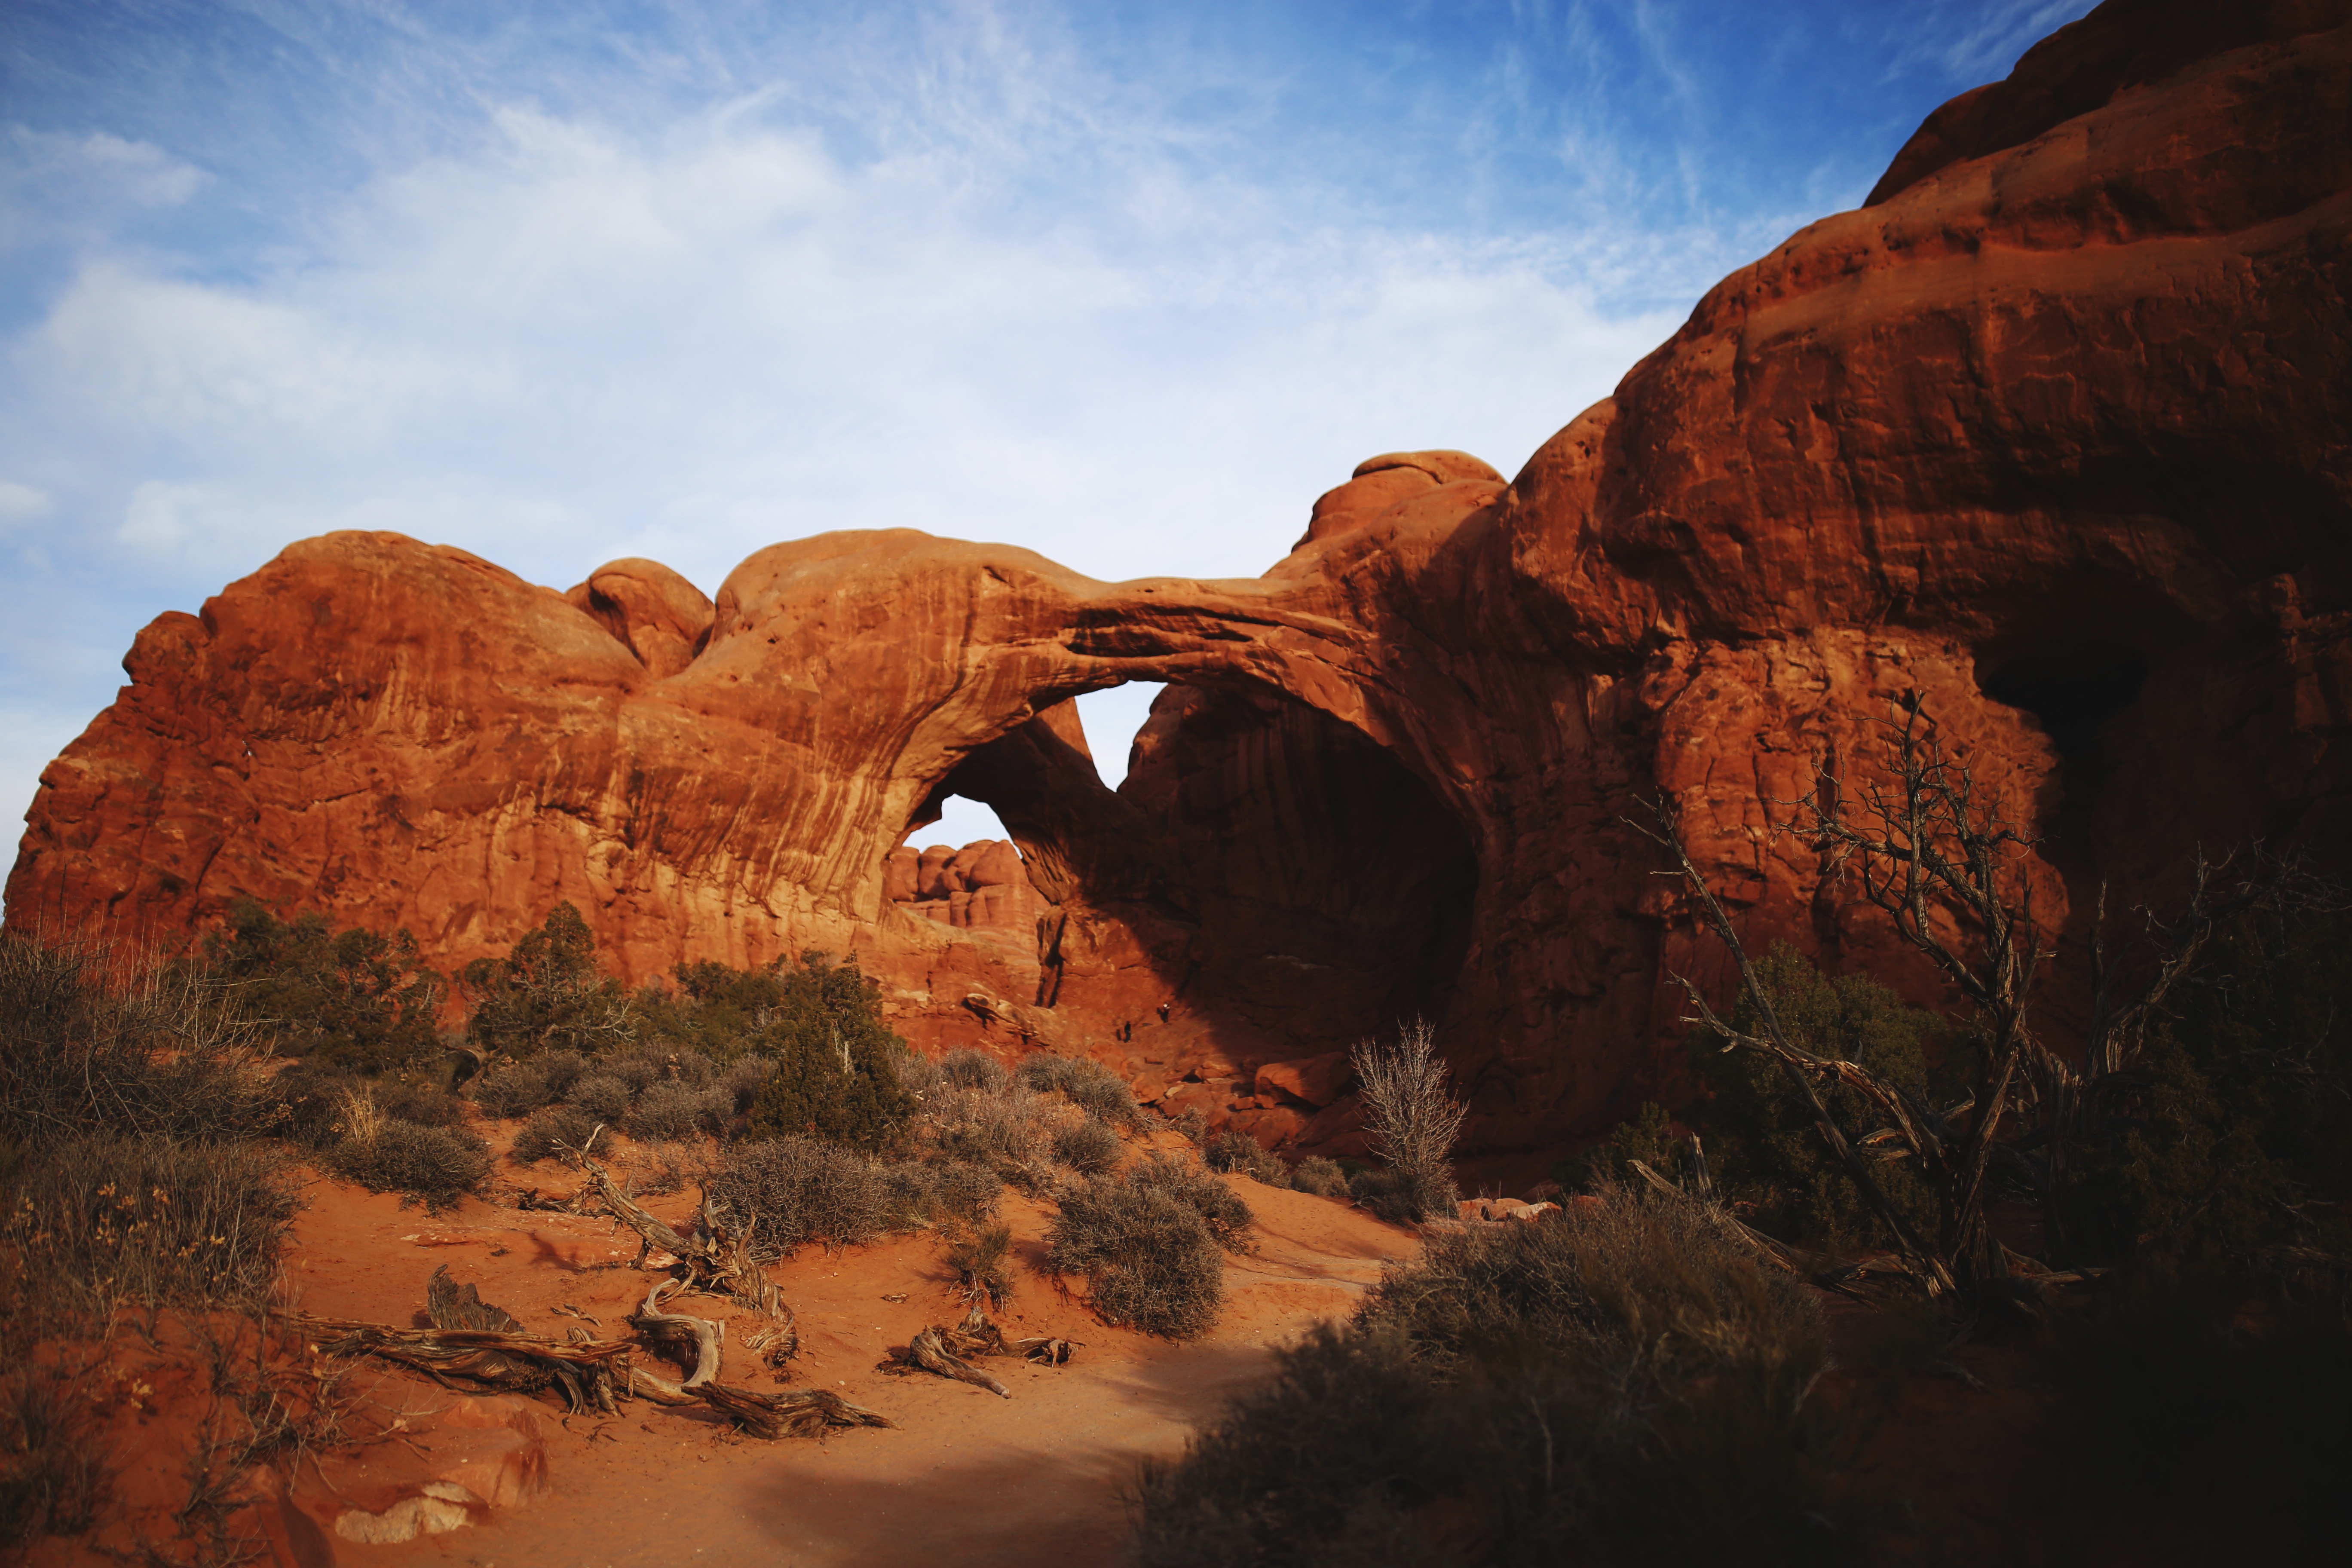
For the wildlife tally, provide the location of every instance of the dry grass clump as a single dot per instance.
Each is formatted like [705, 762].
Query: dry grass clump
[940, 1192]
[97, 1221]
[1625, 1385]
[54, 1476]
[1085, 1083]
[1149, 1258]
[982, 1261]
[803, 1189]
[972, 1070]
[1233, 1151]
[1321, 1177]
[438, 1166]
[95, 1041]
[1086, 1146]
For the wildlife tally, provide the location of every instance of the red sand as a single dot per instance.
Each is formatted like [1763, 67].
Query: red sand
[966, 1477]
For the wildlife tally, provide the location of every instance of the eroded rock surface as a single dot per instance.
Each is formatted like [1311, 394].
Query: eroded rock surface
[2051, 435]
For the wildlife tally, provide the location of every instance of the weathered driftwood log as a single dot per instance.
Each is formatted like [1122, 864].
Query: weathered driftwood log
[675, 1334]
[718, 1258]
[929, 1352]
[806, 1413]
[591, 1374]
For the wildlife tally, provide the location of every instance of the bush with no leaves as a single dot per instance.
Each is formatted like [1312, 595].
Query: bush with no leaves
[1086, 1146]
[795, 1191]
[1412, 1117]
[1148, 1256]
[552, 1132]
[746, 1076]
[1623, 1385]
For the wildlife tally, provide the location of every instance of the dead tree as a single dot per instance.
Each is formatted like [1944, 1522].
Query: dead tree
[1924, 850]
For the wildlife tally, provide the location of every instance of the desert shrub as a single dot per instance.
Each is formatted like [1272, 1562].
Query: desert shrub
[551, 1132]
[1236, 1151]
[1003, 1129]
[669, 1112]
[969, 1068]
[1321, 1177]
[349, 999]
[418, 1104]
[314, 1103]
[1402, 1197]
[2231, 1135]
[1622, 1385]
[310, 1102]
[982, 1261]
[836, 1062]
[2169, 1387]
[512, 1092]
[94, 1043]
[635, 1071]
[1767, 1156]
[98, 1220]
[1148, 1258]
[1412, 1117]
[547, 994]
[942, 1191]
[602, 1097]
[803, 1189]
[559, 1071]
[1648, 1136]
[1192, 1126]
[1085, 1083]
[745, 1076]
[438, 1166]
[1086, 1146]
[54, 1475]
[1220, 1208]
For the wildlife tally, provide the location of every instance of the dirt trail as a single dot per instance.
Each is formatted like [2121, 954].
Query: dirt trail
[966, 1477]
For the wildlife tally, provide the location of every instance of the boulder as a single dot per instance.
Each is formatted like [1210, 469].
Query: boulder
[1311, 1081]
[2048, 440]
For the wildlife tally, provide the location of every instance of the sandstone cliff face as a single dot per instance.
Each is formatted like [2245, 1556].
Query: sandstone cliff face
[2052, 433]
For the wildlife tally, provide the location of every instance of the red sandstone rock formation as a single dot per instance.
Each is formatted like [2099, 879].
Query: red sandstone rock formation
[2051, 433]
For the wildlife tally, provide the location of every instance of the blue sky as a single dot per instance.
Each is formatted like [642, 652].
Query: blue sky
[1127, 284]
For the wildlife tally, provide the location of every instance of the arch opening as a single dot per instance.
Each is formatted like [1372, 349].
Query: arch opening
[1267, 883]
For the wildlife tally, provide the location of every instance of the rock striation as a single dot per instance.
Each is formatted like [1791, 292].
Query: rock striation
[2050, 435]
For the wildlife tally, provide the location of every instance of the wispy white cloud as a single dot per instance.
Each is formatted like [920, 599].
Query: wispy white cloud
[562, 282]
